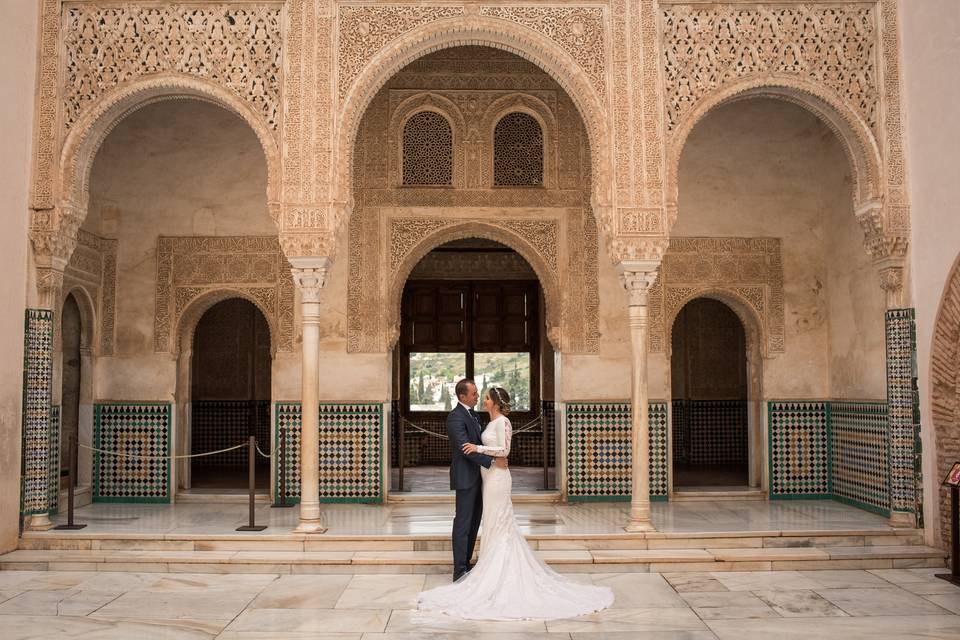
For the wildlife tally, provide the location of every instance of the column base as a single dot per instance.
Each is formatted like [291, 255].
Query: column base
[40, 522]
[902, 520]
[639, 526]
[310, 526]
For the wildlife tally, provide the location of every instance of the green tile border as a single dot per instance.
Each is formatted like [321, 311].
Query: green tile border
[96, 497]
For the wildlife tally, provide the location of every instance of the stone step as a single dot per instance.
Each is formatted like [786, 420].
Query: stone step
[437, 561]
[266, 541]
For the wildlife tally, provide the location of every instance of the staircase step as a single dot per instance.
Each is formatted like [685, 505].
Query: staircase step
[410, 561]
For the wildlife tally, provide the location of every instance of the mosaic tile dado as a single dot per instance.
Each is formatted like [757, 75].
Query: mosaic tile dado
[37, 382]
[598, 451]
[53, 473]
[351, 451]
[830, 449]
[799, 449]
[141, 432]
[858, 454]
[903, 411]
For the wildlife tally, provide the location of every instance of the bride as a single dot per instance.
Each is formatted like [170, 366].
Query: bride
[508, 582]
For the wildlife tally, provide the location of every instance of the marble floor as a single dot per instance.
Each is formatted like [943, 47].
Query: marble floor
[847, 605]
[437, 479]
[427, 519]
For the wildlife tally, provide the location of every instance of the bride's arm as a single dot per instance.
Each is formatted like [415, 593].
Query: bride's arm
[502, 450]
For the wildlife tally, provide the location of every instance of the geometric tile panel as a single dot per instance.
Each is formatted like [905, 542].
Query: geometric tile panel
[220, 424]
[37, 381]
[799, 448]
[53, 474]
[350, 451]
[140, 431]
[598, 450]
[680, 431]
[902, 408]
[858, 444]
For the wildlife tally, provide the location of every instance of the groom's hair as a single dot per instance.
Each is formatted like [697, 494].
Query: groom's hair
[462, 388]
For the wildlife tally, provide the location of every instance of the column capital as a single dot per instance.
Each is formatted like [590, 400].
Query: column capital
[309, 276]
[637, 277]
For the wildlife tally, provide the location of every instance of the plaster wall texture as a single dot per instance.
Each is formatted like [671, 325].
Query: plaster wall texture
[931, 47]
[18, 50]
[764, 168]
[173, 168]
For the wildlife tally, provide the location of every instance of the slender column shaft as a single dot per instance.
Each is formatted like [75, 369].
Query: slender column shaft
[637, 280]
[310, 275]
[639, 400]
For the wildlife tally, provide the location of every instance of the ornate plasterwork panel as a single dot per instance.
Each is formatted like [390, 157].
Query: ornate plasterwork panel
[746, 270]
[708, 47]
[579, 31]
[236, 45]
[251, 266]
[93, 268]
[366, 29]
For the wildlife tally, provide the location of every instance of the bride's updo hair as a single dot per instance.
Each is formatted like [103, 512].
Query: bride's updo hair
[500, 397]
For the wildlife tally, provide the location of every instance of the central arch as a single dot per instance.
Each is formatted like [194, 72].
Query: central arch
[487, 32]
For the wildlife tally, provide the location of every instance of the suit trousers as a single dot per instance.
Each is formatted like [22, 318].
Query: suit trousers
[466, 523]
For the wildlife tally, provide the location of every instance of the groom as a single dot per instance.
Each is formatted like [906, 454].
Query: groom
[463, 427]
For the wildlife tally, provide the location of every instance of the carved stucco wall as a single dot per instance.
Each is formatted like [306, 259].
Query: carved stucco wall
[393, 226]
[93, 270]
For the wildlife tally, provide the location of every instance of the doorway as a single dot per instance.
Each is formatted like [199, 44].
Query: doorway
[230, 396]
[710, 398]
[471, 308]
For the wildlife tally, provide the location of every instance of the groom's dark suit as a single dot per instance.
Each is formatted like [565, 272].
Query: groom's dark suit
[463, 427]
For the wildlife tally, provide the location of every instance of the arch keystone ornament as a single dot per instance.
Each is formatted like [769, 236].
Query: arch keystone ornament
[310, 275]
[638, 277]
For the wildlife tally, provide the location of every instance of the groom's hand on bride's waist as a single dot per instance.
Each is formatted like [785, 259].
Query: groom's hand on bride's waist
[501, 462]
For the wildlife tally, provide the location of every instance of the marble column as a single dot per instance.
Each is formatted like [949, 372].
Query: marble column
[637, 278]
[309, 275]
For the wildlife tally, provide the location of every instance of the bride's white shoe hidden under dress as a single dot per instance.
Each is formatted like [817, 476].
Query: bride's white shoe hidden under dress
[509, 582]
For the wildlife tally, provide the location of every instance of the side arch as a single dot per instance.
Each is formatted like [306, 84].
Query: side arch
[535, 108]
[89, 132]
[487, 32]
[410, 107]
[548, 279]
[191, 315]
[945, 392]
[856, 138]
[88, 315]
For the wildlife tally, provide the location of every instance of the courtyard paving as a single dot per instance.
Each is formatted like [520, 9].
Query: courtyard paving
[848, 605]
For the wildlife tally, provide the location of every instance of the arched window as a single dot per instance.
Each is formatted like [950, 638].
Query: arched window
[518, 151]
[427, 150]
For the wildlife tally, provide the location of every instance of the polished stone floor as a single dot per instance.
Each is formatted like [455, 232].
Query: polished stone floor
[437, 479]
[847, 605]
[402, 519]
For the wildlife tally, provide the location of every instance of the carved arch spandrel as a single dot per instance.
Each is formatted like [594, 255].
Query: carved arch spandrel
[203, 301]
[481, 31]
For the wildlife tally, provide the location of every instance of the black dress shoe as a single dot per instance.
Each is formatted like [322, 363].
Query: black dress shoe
[458, 574]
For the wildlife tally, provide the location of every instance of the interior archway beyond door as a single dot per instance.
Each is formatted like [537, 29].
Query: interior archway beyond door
[709, 388]
[230, 395]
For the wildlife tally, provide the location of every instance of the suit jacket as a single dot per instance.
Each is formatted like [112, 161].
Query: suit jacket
[463, 427]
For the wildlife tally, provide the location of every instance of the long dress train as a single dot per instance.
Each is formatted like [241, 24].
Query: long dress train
[509, 582]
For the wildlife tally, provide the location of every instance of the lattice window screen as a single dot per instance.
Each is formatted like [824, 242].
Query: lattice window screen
[427, 150]
[518, 151]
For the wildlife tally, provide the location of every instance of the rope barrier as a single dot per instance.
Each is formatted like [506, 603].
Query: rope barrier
[265, 455]
[133, 455]
[527, 427]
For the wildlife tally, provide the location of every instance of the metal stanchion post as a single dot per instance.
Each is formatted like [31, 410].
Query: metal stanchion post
[251, 459]
[71, 526]
[546, 452]
[402, 449]
[282, 461]
[954, 575]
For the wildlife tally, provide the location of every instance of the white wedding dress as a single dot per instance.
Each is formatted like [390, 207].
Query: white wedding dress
[509, 582]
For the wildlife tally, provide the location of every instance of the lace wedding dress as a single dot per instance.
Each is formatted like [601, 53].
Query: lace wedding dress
[509, 582]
